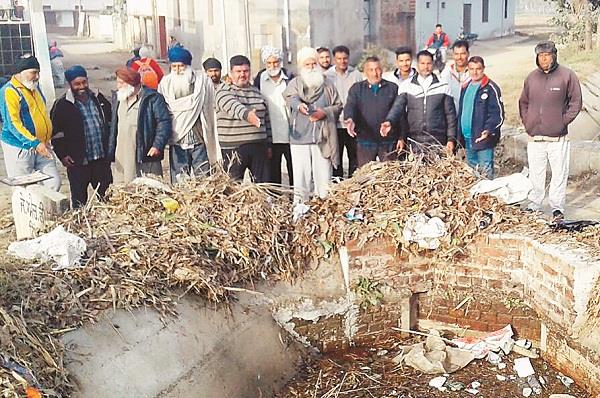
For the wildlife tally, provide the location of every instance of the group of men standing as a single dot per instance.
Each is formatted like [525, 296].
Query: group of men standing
[308, 119]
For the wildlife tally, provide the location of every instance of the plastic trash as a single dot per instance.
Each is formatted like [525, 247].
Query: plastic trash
[500, 340]
[438, 382]
[434, 357]
[509, 189]
[567, 381]
[32, 392]
[355, 214]
[60, 246]
[300, 210]
[573, 226]
[455, 385]
[151, 183]
[523, 343]
[425, 231]
[170, 205]
[535, 385]
[486, 220]
[523, 367]
[500, 378]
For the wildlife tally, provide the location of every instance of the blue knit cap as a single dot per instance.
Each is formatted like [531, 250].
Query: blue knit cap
[74, 72]
[180, 54]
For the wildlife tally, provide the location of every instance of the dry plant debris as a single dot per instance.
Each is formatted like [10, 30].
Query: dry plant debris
[368, 371]
[211, 236]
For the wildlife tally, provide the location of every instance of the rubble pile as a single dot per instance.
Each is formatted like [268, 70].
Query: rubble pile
[149, 244]
[373, 371]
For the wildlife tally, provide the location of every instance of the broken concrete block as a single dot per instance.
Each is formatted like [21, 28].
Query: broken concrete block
[35, 206]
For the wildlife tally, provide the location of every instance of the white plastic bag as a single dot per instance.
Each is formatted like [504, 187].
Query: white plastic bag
[62, 247]
[510, 189]
[424, 230]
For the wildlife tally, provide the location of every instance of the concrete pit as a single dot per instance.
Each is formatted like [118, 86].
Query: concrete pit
[255, 346]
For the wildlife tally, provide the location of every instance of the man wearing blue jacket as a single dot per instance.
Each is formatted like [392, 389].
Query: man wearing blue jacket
[480, 116]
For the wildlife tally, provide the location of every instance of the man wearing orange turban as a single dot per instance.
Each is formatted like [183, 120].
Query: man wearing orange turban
[140, 129]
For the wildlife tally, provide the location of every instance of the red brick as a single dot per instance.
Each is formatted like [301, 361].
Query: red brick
[473, 314]
[488, 316]
[503, 319]
[464, 281]
[549, 270]
[492, 251]
[495, 263]
[494, 284]
[376, 326]
[443, 318]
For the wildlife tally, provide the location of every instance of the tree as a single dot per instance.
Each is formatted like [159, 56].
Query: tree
[577, 18]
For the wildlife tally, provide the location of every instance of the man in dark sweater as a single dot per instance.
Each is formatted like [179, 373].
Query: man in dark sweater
[81, 121]
[367, 106]
[243, 124]
[550, 101]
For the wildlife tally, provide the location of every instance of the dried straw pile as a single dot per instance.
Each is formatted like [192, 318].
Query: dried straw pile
[219, 236]
[388, 194]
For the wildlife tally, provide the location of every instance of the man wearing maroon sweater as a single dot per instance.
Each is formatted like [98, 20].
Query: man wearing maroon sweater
[550, 101]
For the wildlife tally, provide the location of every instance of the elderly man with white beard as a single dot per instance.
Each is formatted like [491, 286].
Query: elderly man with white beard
[315, 106]
[140, 128]
[26, 127]
[191, 98]
[271, 83]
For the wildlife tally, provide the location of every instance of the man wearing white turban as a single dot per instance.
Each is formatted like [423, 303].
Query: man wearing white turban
[271, 82]
[315, 107]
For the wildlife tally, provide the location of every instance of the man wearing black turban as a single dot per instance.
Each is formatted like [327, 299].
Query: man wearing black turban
[81, 120]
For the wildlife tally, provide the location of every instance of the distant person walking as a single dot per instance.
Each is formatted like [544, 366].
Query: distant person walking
[480, 116]
[550, 101]
[26, 127]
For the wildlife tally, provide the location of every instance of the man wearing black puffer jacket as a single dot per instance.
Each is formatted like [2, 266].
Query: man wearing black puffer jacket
[426, 103]
[81, 123]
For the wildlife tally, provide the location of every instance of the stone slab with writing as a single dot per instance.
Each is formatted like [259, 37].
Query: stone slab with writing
[28, 179]
[35, 206]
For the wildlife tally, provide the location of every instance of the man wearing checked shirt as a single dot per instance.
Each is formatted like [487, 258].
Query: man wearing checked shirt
[81, 123]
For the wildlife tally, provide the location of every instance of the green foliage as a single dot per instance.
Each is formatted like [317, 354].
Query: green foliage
[368, 292]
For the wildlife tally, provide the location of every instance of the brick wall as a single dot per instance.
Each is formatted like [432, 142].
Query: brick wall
[541, 290]
[397, 23]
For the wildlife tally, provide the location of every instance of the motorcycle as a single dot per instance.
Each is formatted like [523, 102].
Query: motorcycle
[438, 60]
[469, 37]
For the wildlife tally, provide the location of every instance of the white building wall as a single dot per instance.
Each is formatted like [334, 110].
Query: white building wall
[88, 5]
[209, 30]
[450, 14]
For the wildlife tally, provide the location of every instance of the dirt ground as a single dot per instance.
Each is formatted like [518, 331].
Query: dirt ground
[368, 371]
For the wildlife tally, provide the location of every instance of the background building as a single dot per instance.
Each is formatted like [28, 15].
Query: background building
[487, 18]
[222, 28]
[63, 15]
